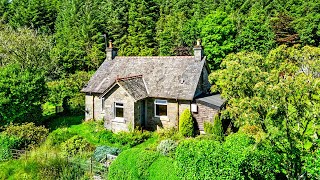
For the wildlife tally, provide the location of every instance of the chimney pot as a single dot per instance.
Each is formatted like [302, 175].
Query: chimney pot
[198, 51]
[111, 52]
[110, 43]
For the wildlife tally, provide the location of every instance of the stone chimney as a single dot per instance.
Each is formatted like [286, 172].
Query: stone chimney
[111, 51]
[198, 51]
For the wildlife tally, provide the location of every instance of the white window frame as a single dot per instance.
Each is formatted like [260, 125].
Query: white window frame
[158, 102]
[114, 110]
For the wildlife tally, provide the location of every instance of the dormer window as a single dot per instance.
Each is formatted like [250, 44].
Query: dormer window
[160, 107]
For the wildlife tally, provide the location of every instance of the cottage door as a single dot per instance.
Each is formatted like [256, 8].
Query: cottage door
[143, 113]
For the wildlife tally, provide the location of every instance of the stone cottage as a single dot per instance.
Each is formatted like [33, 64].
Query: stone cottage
[150, 92]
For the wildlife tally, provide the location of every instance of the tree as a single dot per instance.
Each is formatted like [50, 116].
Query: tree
[279, 93]
[142, 17]
[27, 48]
[217, 34]
[256, 33]
[22, 91]
[36, 14]
[66, 91]
[80, 25]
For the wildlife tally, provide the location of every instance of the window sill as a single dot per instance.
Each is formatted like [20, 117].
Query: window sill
[163, 118]
[118, 120]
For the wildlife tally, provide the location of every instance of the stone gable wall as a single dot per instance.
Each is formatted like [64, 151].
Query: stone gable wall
[204, 114]
[118, 94]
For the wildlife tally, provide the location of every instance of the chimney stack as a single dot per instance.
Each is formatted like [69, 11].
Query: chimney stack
[111, 52]
[198, 51]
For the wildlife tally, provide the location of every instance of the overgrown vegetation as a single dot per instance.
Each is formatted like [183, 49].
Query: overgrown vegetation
[265, 59]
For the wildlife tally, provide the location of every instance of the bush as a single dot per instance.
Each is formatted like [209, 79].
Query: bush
[237, 158]
[167, 147]
[101, 152]
[30, 134]
[172, 133]
[217, 126]
[132, 164]
[163, 168]
[7, 143]
[59, 136]
[130, 138]
[208, 127]
[186, 124]
[75, 145]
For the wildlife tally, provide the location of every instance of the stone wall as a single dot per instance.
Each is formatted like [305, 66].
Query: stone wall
[118, 94]
[204, 114]
[173, 113]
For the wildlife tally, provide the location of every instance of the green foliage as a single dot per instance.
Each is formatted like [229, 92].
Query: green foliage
[142, 17]
[7, 143]
[271, 92]
[59, 136]
[186, 124]
[256, 33]
[56, 122]
[29, 49]
[230, 160]
[167, 147]
[100, 154]
[217, 128]
[163, 167]
[66, 92]
[29, 134]
[131, 138]
[132, 164]
[32, 13]
[217, 33]
[312, 164]
[208, 127]
[75, 145]
[170, 133]
[21, 93]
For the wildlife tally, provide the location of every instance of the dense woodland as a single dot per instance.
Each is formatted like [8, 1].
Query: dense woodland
[265, 61]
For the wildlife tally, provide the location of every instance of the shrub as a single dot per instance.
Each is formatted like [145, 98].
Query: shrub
[163, 168]
[101, 152]
[75, 145]
[186, 124]
[130, 138]
[167, 147]
[217, 126]
[208, 127]
[30, 134]
[132, 164]
[7, 143]
[59, 136]
[237, 158]
[172, 133]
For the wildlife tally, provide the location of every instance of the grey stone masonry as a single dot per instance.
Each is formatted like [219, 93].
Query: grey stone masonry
[204, 114]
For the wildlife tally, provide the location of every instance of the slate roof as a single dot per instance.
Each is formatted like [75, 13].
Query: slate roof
[134, 86]
[213, 101]
[174, 77]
